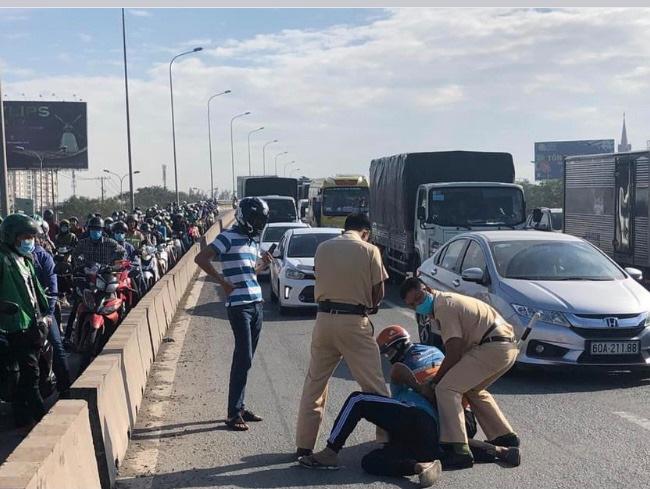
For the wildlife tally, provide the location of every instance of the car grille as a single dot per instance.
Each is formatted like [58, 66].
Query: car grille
[591, 333]
[603, 316]
[307, 295]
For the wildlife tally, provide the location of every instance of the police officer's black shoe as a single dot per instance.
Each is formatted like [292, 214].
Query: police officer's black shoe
[508, 440]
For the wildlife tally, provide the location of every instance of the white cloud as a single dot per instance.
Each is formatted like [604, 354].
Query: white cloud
[413, 80]
[140, 13]
[85, 37]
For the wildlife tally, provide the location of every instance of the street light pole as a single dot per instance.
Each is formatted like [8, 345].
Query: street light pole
[210, 142]
[4, 176]
[264, 154]
[286, 165]
[276, 161]
[171, 96]
[295, 169]
[121, 179]
[128, 118]
[232, 148]
[249, 148]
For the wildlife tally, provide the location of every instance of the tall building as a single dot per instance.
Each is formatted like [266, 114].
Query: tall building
[624, 146]
[26, 184]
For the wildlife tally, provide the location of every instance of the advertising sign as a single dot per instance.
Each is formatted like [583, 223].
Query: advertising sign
[54, 132]
[549, 155]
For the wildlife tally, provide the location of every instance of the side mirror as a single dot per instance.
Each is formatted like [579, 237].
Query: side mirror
[635, 273]
[473, 275]
[422, 213]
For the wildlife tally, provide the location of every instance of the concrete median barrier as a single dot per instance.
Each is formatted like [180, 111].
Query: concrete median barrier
[58, 453]
[102, 387]
[81, 441]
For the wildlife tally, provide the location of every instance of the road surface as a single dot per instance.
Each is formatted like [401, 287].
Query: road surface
[579, 430]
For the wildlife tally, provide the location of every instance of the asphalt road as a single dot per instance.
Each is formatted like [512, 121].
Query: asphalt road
[579, 429]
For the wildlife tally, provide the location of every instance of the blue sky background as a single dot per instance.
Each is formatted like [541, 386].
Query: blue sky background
[337, 87]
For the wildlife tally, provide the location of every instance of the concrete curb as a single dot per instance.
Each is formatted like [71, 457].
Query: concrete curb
[81, 442]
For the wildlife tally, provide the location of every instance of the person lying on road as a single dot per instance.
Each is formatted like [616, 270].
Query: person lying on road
[408, 416]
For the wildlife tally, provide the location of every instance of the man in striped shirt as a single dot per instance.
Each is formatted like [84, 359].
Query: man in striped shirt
[237, 250]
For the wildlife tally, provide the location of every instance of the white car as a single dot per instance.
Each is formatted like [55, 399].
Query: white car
[292, 270]
[271, 235]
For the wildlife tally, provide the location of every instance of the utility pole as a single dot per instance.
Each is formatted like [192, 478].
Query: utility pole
[4, 187]
[164, 169]
[128, 119]
[74, 183]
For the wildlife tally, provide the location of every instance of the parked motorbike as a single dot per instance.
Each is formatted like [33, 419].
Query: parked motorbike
[99, 311]
[10, 371]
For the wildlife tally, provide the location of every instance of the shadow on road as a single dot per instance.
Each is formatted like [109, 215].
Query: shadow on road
[556, 381]
[180, 429]
[269, 470]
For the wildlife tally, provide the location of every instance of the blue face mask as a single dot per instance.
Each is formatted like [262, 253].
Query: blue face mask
[95, 234]
[426, 306]
[26, 246]
[119, 237]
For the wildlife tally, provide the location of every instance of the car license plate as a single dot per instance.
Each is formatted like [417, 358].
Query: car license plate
[614, 348]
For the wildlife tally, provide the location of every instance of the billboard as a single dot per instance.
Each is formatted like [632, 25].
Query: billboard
[549, 155]
[55, 132]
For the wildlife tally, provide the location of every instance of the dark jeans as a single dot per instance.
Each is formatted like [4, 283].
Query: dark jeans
[60, 361]
[413, 433]
[246, 324]
[27, 404]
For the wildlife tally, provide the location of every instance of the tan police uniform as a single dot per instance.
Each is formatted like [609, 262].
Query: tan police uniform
[347, 268]
[487, 355]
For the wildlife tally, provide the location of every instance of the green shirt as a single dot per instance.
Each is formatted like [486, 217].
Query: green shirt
[17, 275]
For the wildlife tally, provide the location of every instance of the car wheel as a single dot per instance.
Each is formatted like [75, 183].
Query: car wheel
[274, 297]
[427, 336]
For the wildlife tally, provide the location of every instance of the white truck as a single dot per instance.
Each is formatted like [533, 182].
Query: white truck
[418, 201]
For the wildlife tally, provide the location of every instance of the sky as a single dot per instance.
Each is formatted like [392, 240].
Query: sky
[336, 87]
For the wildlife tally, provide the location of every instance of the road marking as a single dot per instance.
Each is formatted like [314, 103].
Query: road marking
[633, 418]
[403, 311]
[143, 456]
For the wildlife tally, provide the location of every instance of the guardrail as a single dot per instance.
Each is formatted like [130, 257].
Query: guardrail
[81, 441]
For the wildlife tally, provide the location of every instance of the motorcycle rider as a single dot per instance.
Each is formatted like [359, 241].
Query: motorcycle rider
[48, 217]
[133, 235]
[119, 231]
[66, 236]
[108, 226]
[75, 228]
[23, 330]
[44, 267]
[96, 248]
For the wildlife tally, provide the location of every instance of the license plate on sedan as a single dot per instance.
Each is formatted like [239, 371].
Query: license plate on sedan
[614, 347]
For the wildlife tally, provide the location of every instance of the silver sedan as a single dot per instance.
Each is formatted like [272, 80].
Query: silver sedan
[593, 312]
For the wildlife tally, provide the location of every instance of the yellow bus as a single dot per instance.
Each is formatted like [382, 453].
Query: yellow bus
[332, 199]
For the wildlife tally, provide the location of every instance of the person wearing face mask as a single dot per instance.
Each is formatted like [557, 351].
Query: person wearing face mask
[119, 230]
[75, 227]
[133, 235]
[350, 279]
[97, 248]
[65, 237]
[19, 285]
[480, 347]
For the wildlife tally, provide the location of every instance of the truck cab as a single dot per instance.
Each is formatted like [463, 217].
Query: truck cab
[444, 210]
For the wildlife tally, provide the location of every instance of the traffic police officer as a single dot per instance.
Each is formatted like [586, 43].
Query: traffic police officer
[349, 283]
[479, 348]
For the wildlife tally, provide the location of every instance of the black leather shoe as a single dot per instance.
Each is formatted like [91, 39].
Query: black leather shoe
[509, 440]
[303, 452]
[453, 461]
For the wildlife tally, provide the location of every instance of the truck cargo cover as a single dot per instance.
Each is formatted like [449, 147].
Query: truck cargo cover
[394, 180]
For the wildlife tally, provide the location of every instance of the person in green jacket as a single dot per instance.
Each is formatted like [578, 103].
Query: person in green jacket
[25, 337]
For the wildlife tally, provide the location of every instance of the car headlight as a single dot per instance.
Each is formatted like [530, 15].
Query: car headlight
[552, 317]
[647, 320]
[294, 274]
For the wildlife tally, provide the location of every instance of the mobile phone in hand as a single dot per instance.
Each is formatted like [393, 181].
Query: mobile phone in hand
[272, 248]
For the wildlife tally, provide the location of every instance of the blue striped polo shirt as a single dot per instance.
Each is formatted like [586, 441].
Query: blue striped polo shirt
[238, 255]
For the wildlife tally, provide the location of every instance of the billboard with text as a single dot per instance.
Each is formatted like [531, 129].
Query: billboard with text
[549, 155]
[54, 132]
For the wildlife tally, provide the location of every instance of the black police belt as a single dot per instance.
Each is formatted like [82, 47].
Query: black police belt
[342, 308]
[496, 339]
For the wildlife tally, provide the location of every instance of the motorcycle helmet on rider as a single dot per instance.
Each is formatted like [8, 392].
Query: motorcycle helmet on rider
[393, 342]
[251, 215]
[15, 226]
